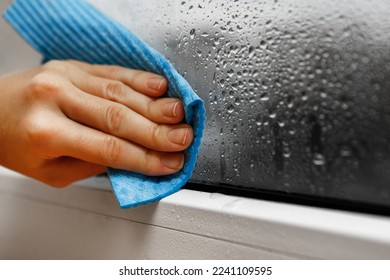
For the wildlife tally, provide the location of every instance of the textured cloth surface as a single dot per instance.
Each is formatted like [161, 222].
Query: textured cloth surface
[72, 29]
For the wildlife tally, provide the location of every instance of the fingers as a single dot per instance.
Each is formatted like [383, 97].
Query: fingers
[116, 119]
[162, 110]
[148, 83]
[107, 150]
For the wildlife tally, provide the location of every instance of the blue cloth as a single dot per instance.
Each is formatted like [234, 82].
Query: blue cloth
[72, 29]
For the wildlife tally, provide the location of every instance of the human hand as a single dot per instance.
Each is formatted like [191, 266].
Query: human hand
[66, 120]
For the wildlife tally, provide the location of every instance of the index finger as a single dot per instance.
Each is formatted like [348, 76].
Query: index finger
[145, 82]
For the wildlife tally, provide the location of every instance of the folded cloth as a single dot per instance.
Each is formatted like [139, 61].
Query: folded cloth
[72, 29]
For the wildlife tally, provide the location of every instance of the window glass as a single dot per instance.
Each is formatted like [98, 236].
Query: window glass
[297, 92]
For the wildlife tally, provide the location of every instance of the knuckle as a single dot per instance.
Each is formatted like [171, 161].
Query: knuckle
[72, 61]
[115, 116]
[113, 71]
[56, 65]
[44, 85]
[148, 165]
[38, 130]
[149, 108]
[155, 135]
[114, 90]
[111, 150]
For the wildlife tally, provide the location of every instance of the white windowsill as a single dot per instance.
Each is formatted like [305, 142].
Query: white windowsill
[187, 224]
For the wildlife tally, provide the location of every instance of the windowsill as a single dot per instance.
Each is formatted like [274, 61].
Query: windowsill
[273, 229]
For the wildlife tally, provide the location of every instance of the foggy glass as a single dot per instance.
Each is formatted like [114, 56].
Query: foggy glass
[297, 93]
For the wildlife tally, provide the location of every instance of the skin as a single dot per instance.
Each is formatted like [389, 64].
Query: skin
[66, 120]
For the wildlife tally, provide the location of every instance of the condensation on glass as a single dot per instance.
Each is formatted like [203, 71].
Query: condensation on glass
[297, 92]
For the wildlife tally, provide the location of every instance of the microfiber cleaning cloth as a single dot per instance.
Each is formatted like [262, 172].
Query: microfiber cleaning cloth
[72, 29]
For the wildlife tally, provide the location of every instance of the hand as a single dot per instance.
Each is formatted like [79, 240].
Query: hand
[67, 120]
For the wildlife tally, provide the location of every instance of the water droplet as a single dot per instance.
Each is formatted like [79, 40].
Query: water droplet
[263, 44]
[318, 159]
[192, 33]
[230, 108]
[286, 152]
[345, 151]
[264, 96]
[251, 51]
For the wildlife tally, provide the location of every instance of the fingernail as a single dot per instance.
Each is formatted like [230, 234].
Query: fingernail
[155, 83]
[173, 161]
[178, 135]
[170, 109]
